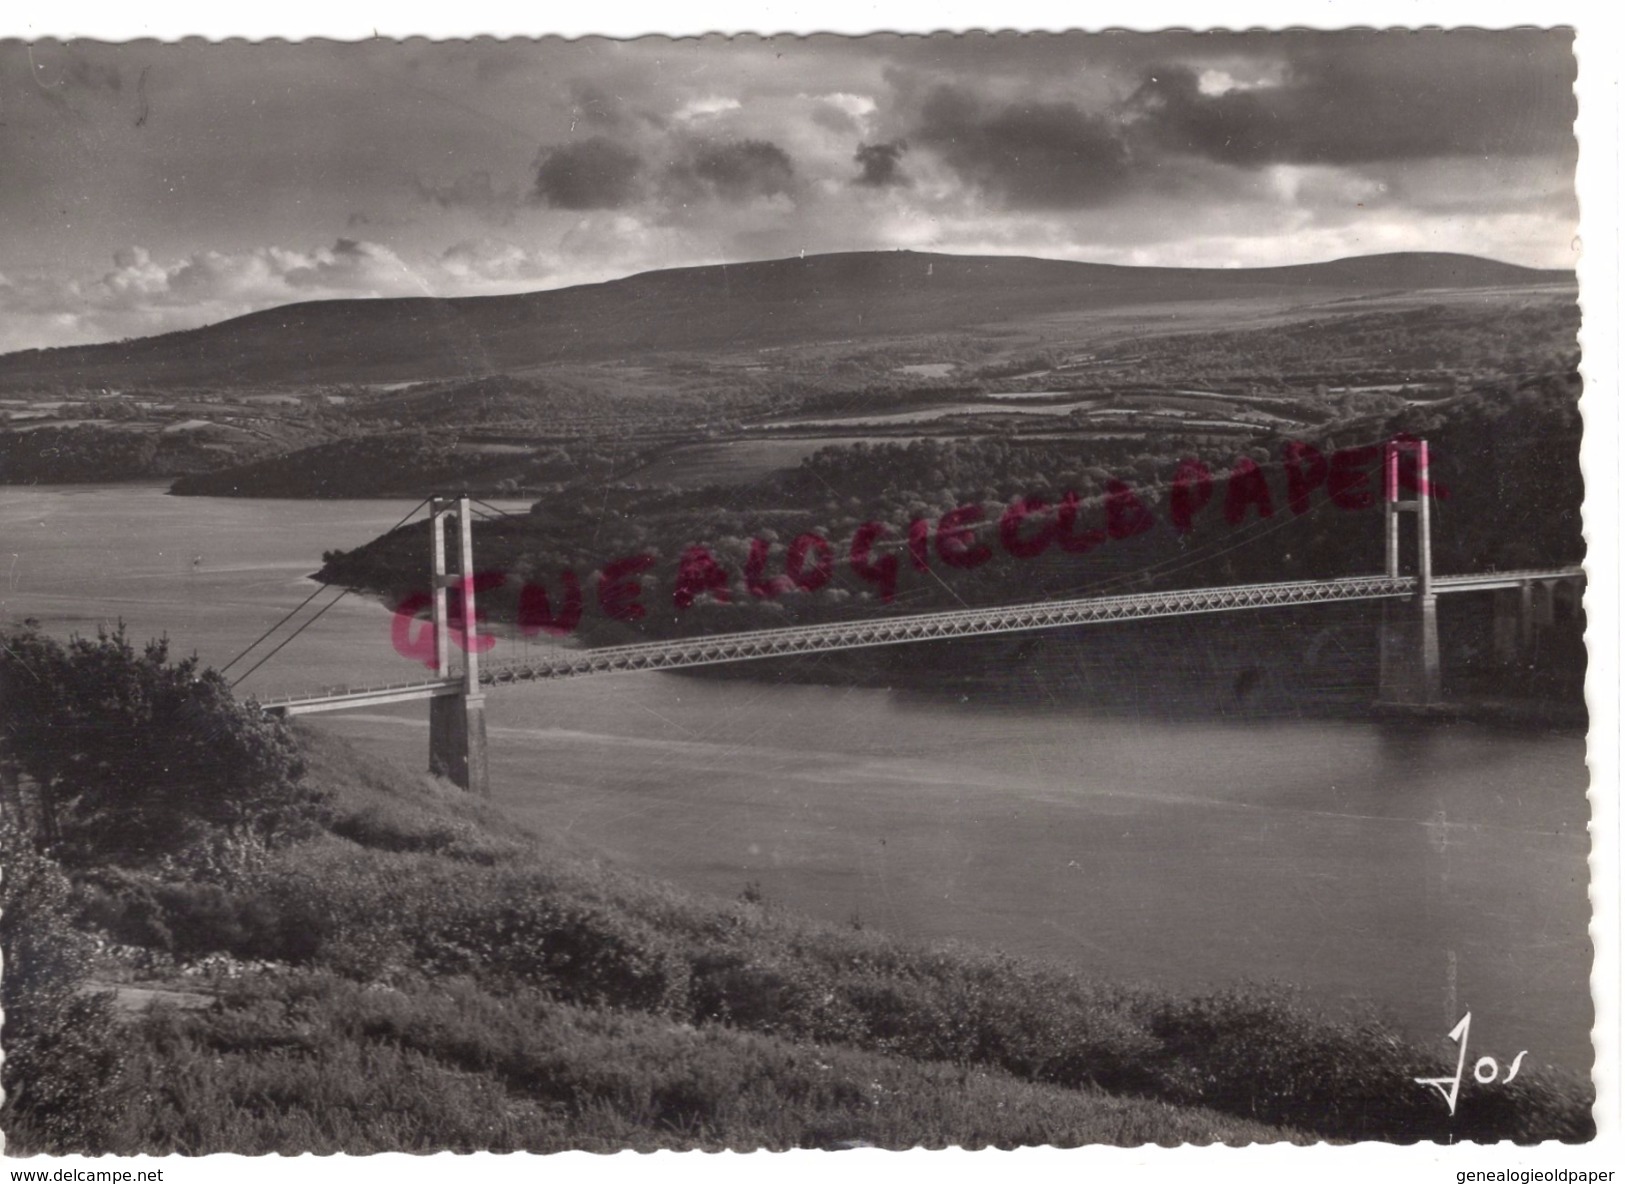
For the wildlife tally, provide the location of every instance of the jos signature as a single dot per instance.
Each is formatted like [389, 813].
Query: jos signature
[1485, 1069]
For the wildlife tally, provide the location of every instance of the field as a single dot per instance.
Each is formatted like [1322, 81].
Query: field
[734, 462]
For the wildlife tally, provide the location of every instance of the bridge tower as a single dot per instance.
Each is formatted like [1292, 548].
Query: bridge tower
[457, 746]
[1409, 642]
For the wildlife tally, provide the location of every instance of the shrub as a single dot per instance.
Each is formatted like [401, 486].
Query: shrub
[1259, 1054]
[377, 916]
[579, 951]
[134, 757]
[63, 1064]
[187, 919]
[767, 990]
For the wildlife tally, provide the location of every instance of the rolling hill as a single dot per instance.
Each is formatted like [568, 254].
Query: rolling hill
[849, 297]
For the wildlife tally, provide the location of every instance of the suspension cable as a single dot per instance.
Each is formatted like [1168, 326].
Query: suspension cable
[314, 618]
[504, 513]
[320, 588]
[1211, 550]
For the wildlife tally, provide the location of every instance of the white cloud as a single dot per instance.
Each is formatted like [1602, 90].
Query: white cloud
[350, 267]
[1322, 186]
[142, 295]
[1215, 80]
[135, 276]
[700, 110]
[486, 260]
[857, 106]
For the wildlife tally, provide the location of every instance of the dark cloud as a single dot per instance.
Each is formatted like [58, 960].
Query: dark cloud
[1362, 98]
[1241, 127]
[591, 174]
[877, 164]
[70, 81]
[1027, 155]
[82, 72]
[734, 171]
[359, 219]
[594, 106]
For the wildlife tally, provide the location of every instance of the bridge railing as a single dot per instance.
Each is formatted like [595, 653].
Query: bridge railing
[889, 630]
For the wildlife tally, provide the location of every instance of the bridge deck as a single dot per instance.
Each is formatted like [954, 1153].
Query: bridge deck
[893, 630]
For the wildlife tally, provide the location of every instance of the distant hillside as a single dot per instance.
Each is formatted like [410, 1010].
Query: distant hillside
[734, 306]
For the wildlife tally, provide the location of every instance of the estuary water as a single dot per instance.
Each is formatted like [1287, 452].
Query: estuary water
[1416, 871]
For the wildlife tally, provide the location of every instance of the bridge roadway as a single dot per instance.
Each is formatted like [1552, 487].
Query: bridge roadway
[893, 630]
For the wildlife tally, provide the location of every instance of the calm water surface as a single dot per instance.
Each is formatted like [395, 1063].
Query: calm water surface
[1422, 870]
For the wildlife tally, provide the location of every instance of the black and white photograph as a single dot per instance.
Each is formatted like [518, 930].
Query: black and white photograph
[820, 593]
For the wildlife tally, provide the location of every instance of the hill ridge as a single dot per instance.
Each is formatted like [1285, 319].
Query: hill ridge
[773, 302]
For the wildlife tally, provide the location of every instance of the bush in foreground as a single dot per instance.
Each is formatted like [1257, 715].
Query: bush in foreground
[63, 1054]
[132, 757]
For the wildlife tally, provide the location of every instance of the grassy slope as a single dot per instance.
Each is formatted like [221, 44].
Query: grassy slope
[440, 978]
[358, 1052]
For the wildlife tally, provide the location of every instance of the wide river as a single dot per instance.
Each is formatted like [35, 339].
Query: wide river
[1422, 870]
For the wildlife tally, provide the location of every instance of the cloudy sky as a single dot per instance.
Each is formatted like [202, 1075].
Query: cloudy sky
[150, 187]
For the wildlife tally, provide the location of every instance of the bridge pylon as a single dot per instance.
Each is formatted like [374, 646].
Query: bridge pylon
[1409, 672]
[457, 743]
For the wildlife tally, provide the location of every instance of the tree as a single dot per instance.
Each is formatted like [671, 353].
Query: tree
[133, 757]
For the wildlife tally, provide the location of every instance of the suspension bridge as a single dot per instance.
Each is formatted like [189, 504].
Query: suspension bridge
[1409, 669]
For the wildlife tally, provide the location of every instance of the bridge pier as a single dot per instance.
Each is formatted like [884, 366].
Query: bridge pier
[1523, 614]
[1409, 674]
[1545, 605]
[457, 745]
[1510, 626]
[1409, 671]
